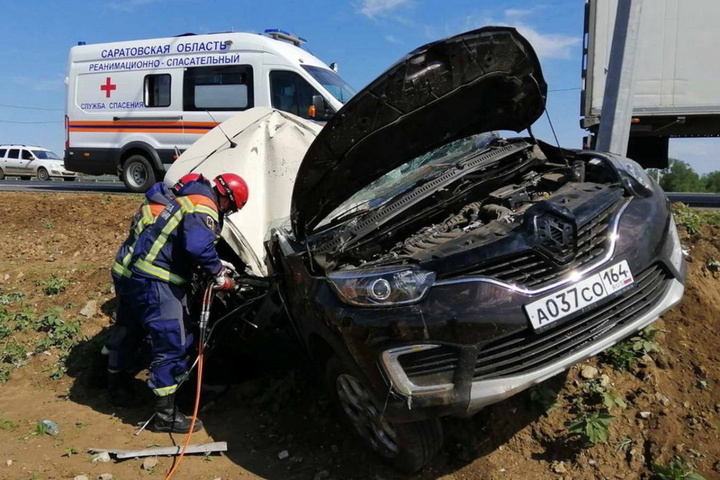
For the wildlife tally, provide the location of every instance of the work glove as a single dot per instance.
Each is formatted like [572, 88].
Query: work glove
[228, 266]
[224, 281]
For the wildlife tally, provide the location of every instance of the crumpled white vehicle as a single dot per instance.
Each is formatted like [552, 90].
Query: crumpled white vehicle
[268, 148]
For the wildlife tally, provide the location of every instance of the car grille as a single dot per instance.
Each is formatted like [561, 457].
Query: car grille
[531, 269]
[528, 350]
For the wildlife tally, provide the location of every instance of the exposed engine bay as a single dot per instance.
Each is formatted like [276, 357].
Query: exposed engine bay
[487, 200]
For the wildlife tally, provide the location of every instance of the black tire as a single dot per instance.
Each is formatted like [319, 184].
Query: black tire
[25, 177]
[138, 174]
[43, 175]
[2, 174]
[408, 447]
[69, 179]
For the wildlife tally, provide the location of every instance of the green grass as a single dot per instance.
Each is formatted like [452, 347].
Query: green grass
[7, 425]
[592, 427]
[544, 398]
[692, 219]
[54, 285]
[676, 469]
[624, 355]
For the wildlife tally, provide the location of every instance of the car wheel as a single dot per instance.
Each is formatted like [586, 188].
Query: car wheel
[138, 175]
[408, 447]
[43, 175]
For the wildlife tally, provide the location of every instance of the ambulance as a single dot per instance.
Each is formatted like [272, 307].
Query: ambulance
[133, 107]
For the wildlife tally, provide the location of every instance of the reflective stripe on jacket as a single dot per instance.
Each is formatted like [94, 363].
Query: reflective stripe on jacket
[156, 199]
[183, 235]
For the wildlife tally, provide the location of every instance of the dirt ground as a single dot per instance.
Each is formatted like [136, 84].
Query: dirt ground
[55, 250]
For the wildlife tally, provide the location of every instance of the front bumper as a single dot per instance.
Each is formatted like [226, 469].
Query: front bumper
[60, 173]
[468, 344]
[487, 392]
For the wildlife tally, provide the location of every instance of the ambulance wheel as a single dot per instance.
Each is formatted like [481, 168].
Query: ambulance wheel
[43, 175]
[138, 175]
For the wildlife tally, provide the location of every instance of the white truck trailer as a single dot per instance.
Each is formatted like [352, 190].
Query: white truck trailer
[676, 73]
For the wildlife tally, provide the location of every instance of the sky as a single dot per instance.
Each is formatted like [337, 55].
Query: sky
[365, 37]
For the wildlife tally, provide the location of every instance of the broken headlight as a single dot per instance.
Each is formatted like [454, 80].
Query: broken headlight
[633, 175]
[382, 287]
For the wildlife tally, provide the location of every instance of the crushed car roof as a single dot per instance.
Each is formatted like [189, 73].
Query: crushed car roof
[482, 80]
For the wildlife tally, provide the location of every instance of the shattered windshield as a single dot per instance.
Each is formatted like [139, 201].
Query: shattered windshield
[404, 177]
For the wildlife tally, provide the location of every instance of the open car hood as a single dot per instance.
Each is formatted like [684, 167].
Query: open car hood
[478, 81]
[269, 146]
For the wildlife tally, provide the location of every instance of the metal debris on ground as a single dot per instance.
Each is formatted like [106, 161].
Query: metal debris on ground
[158, 451]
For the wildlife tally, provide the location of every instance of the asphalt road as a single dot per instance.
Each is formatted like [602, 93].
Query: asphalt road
[95, 186]
[109, 184]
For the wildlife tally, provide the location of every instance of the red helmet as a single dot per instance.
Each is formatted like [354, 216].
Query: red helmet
[234, 187]
[185, 179]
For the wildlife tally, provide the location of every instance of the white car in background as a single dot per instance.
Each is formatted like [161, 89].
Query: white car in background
[27, 161]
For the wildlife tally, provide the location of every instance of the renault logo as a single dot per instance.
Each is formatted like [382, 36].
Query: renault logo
[556, 236]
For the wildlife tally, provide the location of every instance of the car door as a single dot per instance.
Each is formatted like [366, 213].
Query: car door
[12, 161]
[25, 165]
[290, 92]
[3, 160]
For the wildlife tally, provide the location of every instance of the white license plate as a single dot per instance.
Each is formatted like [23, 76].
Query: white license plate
[561, 304]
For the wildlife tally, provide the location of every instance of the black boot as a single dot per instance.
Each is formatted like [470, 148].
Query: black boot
[168, 419]
[121, 392]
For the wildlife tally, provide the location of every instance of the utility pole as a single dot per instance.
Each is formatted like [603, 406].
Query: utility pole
[616, 115]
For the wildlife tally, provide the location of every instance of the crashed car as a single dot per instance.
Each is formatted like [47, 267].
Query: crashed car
[430, 266]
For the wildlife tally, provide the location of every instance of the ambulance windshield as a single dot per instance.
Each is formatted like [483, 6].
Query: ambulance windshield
[332, 82]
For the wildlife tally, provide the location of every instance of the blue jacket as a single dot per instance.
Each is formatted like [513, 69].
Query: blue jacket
[184, 235]
[156, 199]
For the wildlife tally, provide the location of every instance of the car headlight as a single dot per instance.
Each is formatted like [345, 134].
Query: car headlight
[382, 287]
[635, 175]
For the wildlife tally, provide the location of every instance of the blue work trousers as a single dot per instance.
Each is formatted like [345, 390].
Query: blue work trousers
[158, 310]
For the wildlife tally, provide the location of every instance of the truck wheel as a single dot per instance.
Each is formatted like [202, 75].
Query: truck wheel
[138, 174]
[43, 175]
[408, 447]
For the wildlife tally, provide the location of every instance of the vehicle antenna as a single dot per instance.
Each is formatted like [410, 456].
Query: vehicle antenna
[232, 144]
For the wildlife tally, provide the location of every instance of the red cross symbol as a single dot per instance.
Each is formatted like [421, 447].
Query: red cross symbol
[108, 87]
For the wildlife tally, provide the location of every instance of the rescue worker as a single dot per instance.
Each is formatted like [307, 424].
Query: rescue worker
[124, 335]
[182, 237]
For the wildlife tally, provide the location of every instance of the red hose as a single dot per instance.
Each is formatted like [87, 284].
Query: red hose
[207, 299]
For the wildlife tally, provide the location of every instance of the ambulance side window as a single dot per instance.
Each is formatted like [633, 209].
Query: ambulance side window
[218, 88]
[157, 90]
[290, 92]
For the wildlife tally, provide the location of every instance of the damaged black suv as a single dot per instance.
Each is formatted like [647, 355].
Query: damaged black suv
[433, 268]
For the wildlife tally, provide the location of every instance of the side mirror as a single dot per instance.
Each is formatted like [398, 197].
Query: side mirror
[319, 110]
